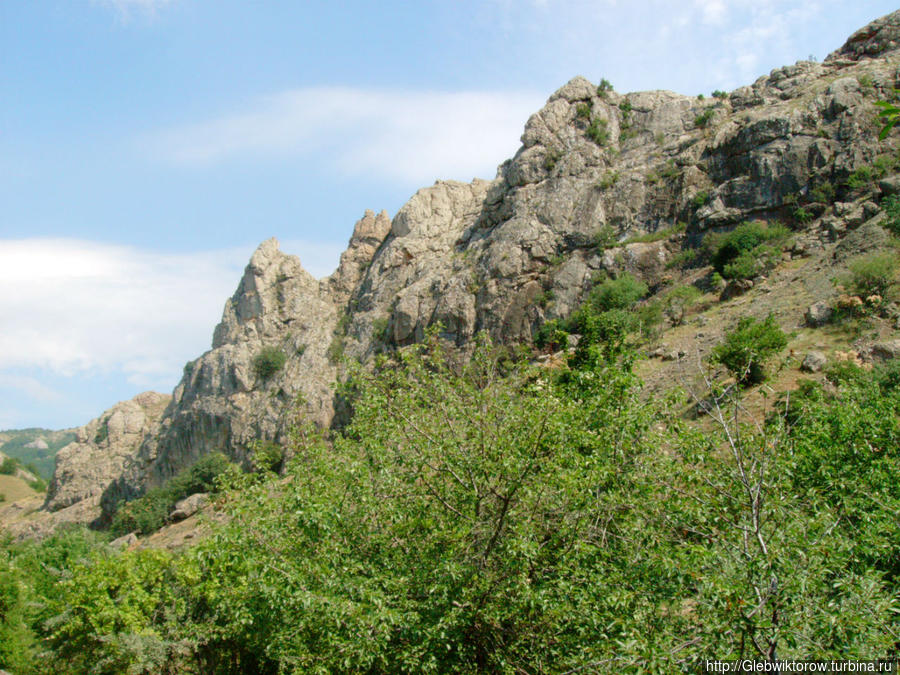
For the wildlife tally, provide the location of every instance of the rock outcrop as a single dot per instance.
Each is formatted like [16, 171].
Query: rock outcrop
[603, 183]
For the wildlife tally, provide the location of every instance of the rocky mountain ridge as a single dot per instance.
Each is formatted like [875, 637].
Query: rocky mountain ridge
[603, 183]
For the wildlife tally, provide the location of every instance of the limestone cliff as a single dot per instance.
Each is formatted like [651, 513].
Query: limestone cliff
[597, 175]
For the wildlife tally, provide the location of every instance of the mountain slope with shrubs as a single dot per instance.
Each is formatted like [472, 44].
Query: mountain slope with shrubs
[630, 406]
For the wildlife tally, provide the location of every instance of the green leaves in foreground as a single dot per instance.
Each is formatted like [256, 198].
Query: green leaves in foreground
[492, 517]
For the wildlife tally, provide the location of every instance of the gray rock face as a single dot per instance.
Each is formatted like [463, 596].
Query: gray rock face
[506, 255]
[102, 449]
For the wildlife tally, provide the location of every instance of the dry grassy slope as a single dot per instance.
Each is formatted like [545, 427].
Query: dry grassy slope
[14, 489]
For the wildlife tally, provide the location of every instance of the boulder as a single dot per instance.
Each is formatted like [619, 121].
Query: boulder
[889, 349]
[818, 314]
[125, 541]
[813, 362]
[188, 506]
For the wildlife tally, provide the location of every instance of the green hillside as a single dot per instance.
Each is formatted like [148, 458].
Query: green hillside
[41, 460]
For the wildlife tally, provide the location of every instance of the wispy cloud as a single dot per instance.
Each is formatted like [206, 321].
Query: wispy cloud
[127, 9]
[409, 136]
[30, 387]
[81, 307]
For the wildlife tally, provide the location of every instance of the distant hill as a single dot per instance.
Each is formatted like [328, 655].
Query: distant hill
[36, 448]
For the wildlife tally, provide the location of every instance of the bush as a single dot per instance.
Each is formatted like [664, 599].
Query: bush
[583, 111]
[682, 259]
[609, 179]
[268, 362]
[747, 348]
[620, 293]
[861, 178]
[745, 240]
[891, 208]
[605, 237]
[678, 301]
[751, 263]
[551, 157]
[718, 93]
[267, 456]
[8, 466]
[703, 119]
[872, 274]
[597, 131]
[38, 485]
[802, 216]
[604, 87]
[551, 336]
[150, 512]
[823, 193]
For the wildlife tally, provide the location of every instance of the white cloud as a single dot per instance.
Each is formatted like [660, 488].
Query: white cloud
[712, 11]
[410, 136]
[30, 387]
[128, 8]
[76, 307]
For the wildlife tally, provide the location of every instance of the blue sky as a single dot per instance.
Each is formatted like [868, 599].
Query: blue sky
[147, 146]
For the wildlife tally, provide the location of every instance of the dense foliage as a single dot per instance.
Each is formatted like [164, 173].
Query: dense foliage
[745, 251]
[150, 512]
[501, 518]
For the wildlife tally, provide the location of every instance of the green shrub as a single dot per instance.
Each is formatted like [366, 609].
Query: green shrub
[605, 237]
[551, 336]
[891, 208]
[625, 107]
[150, 512]
[8, 466]
[648, 315]
[751, 263]
[747, 348]
[678, 301]
[658, 235]
[609, 179]
[861, 178]
[620, 293]
[703, 119]
[102, 432]
[597, 131]
[745, 240]
[551, 157]
[267, 455]
[583, 111]
[718, 93]
[38, 485]
[823, 193]
[846, 373]
[872, 274]
[802, 216]
[268, 361]
[682, 259]
[604, 87]
[700, 199]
